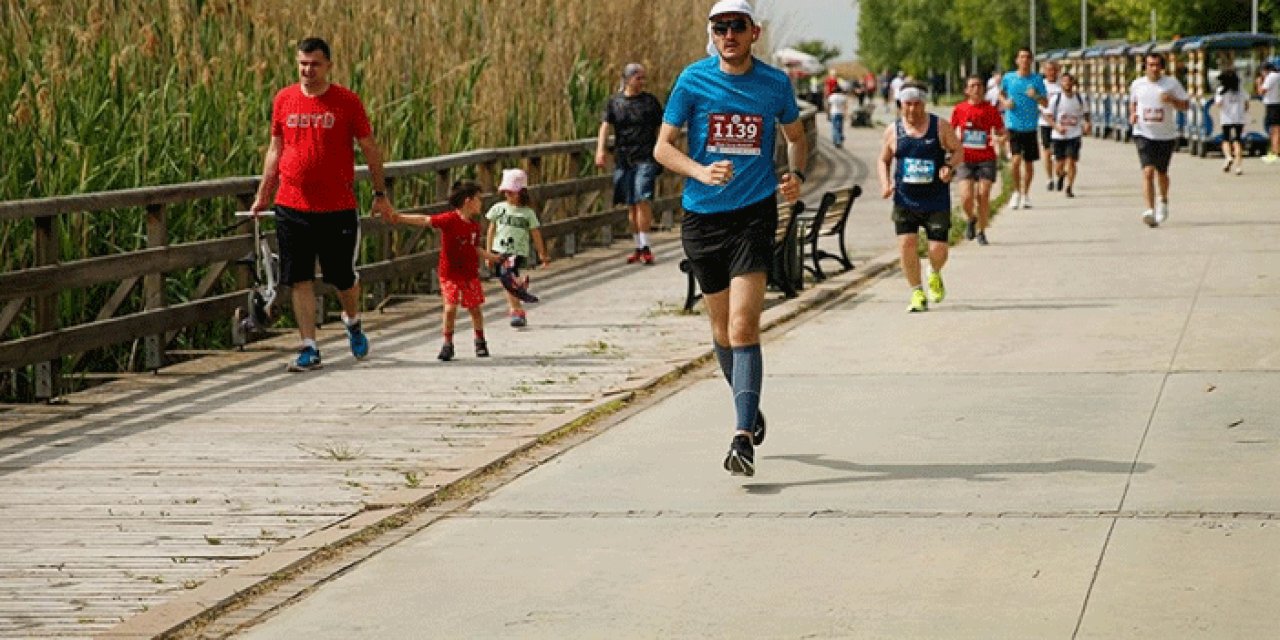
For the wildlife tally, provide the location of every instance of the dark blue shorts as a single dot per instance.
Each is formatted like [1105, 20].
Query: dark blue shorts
[633, 183]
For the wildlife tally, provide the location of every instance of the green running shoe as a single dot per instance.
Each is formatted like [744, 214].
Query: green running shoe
[936, 289]
[918, 301]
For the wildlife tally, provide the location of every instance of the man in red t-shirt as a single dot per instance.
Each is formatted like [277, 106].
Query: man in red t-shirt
[461, 247]
[310, 169]
[828, 87]
[977, 124]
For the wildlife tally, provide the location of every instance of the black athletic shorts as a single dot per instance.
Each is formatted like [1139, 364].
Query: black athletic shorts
[1155, 153]
[1046, 137]
[937, 224]
[1025, 144]
[1066, 148]
[1272, 119]
[1232, 132]
[731, 243]
[333, 237]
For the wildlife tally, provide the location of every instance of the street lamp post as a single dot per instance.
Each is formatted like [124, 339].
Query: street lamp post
[1084, 21]
[1033, 26]
[1255, 16]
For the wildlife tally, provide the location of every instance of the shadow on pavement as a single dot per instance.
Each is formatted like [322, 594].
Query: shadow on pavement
[979, 472]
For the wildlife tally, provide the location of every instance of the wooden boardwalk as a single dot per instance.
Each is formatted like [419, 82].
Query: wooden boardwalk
[133, 493]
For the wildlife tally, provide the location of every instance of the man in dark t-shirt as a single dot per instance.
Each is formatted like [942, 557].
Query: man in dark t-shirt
[635, 116]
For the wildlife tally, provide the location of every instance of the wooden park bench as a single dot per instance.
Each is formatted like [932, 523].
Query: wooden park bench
[787, 271]
[829, 219]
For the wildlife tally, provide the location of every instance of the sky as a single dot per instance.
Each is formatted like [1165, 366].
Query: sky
[832, 21]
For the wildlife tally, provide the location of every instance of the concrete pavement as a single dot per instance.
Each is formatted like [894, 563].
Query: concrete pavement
[1080, 442]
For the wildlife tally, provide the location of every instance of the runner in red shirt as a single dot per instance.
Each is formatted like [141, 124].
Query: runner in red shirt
[461, 247]
[978, 125]
[310, 169]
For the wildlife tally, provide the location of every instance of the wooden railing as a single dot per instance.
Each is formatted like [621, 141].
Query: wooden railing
[576, 211]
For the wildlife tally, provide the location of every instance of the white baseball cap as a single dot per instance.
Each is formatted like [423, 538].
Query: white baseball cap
[732, 6]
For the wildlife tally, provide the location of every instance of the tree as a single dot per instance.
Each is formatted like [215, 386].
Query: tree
[818, 49]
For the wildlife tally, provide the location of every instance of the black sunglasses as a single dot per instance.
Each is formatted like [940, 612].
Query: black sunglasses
[737, 25]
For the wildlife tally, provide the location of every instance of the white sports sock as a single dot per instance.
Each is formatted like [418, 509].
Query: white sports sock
[636, 237]
[642, 239]
[308, 342]
[348, 320]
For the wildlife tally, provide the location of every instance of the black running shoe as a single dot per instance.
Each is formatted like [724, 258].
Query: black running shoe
[757, 434]
[1070, 193]
[982, 238]
[446, 352]
[1061, 179]
[1051, 184]
[482, 349]
[970, 230]
[741, 460]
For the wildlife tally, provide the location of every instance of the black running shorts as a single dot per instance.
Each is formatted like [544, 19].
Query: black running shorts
[1025, 144]
[1155, 153]
[1066, 148]
[1232, 132]
[977, 171]
[333, 237]
[937, 224]
[1046, 137]
[1272, 119]
[731, 243]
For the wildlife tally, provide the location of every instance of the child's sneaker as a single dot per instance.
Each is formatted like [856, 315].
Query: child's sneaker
[308, 359]
[636, 256]
[646, 256]
[518, 319]
[482, 349]
[446, 352]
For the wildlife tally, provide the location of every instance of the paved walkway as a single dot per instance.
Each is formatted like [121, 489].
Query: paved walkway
[1080, 442]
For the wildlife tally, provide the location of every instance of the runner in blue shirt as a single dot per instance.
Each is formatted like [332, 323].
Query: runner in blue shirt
[733, 104]
[1022, 93]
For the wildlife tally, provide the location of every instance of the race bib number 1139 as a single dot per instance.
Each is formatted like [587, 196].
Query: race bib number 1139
[735, 133]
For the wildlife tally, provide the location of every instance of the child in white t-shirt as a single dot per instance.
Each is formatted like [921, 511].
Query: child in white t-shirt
[513, 229]
[1233, 104]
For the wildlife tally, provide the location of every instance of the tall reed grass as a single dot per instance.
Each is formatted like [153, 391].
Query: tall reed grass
[109, 94]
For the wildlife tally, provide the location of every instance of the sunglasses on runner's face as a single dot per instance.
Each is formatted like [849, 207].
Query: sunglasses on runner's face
[737, 25]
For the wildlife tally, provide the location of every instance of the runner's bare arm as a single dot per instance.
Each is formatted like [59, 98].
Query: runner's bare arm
[413, 219]
[955, 154]
[373, 158]
[270, 175]
[541, 247]
[884, 166]
[672, 158]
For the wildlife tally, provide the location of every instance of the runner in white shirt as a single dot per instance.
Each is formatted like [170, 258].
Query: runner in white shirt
[1154, 102]
[837, 110]
[1269, 87]
[1232, 107]
[1070, 121]
[1050, 72]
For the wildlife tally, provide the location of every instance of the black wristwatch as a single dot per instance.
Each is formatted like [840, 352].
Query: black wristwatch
[799, 174]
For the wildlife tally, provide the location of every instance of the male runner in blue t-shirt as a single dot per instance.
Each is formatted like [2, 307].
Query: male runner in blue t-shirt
[1022, 93]
[732, 103]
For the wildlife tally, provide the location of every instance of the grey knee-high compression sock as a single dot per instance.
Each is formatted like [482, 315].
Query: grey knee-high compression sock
[748, 376]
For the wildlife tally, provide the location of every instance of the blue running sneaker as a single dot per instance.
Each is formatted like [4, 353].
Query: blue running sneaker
[308, 359]
[359, 342]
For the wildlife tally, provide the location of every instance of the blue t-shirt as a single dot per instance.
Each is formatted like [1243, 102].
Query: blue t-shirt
[1025, 114]
[731, 117]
